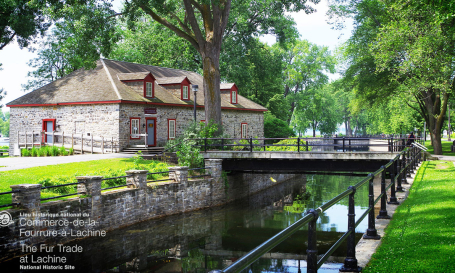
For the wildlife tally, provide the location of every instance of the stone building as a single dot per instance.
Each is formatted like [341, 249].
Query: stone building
[123, 100]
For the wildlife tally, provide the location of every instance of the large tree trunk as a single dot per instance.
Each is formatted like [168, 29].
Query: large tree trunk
[212, 97]
[436, 109]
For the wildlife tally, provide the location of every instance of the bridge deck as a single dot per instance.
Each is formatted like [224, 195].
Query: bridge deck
[303, 161]
[301, 155]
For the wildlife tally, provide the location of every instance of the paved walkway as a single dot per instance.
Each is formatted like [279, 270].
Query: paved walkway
[15, 163]
[445, 157]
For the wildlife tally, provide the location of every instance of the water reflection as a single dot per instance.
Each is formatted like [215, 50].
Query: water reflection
[212, 239]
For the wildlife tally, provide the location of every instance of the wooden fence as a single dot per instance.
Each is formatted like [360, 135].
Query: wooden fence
[81, 142]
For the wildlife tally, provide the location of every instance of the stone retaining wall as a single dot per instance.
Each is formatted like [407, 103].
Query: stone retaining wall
[94, 212]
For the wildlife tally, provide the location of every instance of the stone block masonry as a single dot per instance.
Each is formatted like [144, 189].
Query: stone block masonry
[95, 212]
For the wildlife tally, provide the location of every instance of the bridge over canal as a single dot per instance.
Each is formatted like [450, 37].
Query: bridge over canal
[326, 155]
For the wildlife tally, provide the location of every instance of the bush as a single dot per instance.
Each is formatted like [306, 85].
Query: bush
[55, 151]
[71, 151]
[41, 152]
[244, 145]
[276, 128]
[34, 152]
[292, 141]
[25, 152]
[188, 154]
[63, 151]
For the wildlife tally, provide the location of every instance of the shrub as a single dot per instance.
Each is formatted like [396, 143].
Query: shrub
[34, 152]
[244, 145]
[71, 151]
[188, 154]
[41, 152]
[63, 151]
[25, 152]
[292, 141]
[55, 151]
[276, 128]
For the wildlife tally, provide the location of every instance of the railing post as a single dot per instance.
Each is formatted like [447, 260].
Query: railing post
[205, 145]
[137, 179]
[371, 233]
[102, 145]
[298, 144]
[312, 251]
[222, 144]
[82, 143]
[91, 186]
[251, 144]
[408, 169]
[393, 198]
[383, 212]
[91, 150]
[306, 145]
[179, 174]
[264, 145]
[343, 144]
[350, 263]
[28, 196]
[400, 174]
[350, 145]
[404, 173]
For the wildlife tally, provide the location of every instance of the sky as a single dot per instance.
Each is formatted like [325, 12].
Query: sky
[312, 27]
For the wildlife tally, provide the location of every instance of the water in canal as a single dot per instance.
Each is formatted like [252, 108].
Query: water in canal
[212, 239]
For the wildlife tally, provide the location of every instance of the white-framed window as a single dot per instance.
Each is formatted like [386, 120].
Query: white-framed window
[244, 130]
[135, 128]
[185, 93]
[234, 97]
[171, 128]
[149, 89]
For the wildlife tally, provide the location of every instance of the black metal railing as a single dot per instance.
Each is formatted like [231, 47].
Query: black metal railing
[341, 144]
[113, 178]
[10, 204]
[159, 180]
[398, 168]
[60, 196]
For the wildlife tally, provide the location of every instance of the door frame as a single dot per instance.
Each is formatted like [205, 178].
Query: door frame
[44, 128]
[147, 130]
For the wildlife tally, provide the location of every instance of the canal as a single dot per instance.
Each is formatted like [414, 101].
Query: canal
[212, 239]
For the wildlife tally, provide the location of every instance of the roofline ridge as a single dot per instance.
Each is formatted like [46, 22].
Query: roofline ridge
[110, 79]
[153, 66]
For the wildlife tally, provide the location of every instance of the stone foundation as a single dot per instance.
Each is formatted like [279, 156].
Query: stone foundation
[95, 212]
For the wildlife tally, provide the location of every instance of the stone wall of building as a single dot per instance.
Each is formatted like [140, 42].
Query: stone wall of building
[113, 121]
[95, 211]
[232, 120]
[94, 119]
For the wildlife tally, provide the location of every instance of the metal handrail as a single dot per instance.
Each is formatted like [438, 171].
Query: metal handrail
[393, 143]
[256, 253]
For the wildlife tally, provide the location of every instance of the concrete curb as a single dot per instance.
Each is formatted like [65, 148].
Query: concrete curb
[366, 247]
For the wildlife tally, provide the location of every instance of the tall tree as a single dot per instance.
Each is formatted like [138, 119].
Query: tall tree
[306, 68]
[317, 109]
[22, 20]
[203, 24]
[403, 49]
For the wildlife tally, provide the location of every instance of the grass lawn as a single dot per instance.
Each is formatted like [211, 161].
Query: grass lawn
[445, 147]
[66, 173]
[421, 235]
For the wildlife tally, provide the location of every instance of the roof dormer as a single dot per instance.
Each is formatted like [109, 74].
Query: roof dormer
[142, 82]
[179, 86]
[231, 90]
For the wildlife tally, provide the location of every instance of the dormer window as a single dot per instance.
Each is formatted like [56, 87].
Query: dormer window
[185, 93]
[234, 97]
[149, 89]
